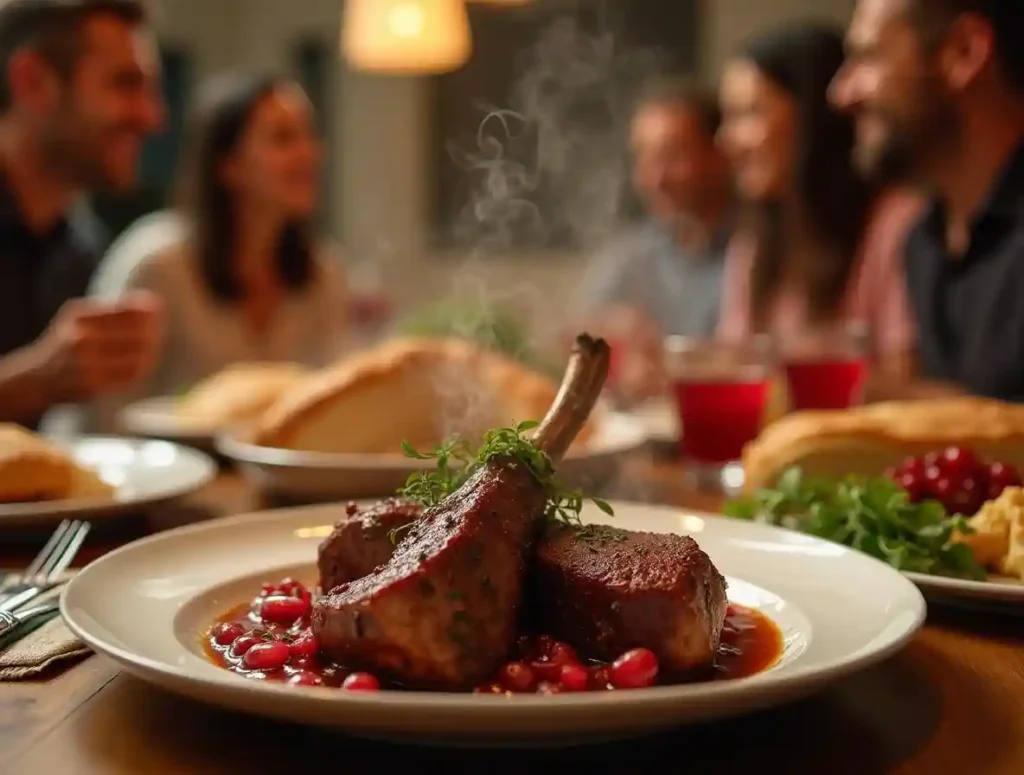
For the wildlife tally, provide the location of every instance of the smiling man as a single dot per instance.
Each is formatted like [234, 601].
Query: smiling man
[937, 88]
[78, 96]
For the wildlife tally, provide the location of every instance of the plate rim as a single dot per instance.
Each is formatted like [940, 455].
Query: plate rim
[95, 505]
[994, 591]
[766, 681]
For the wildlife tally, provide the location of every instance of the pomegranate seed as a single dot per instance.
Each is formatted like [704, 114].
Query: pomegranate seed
[599, 679]
[226, 633]
[549, 665]
[266, 656]
[574, 678]
[1000, 476]
[968, 497]
[305, 678]
[913, 484]
[295, 589]
[563, 654]
[635, 669]
[283, 609]
[245, 642]
[546, 687]
[958, 460]
[942, 489]
[268, 589]
[304, 646]
[361, 682]
[517, 677]
[912, 465]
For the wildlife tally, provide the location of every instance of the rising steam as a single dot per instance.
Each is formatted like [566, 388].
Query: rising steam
[549, 170]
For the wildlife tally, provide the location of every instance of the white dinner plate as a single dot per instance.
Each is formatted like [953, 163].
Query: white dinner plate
[157, 418]
[143, 472]
[997, 595]
[318, 476]
[149, 604]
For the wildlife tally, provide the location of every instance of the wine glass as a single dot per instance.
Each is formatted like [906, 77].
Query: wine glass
[826, 367]
[722, 394]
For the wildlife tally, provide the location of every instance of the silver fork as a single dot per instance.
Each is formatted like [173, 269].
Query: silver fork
[53, 559]
[10, 621]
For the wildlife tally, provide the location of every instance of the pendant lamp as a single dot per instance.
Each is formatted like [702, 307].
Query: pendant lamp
[406, 36]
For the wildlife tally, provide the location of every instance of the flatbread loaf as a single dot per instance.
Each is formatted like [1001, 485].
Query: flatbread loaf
[868, 439]
[418, 390]
[239, 393]
[31, 469]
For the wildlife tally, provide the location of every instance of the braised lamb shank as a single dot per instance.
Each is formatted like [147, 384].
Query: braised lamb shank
[442, 612]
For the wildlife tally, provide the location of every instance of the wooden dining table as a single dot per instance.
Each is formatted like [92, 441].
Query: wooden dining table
[951, 702]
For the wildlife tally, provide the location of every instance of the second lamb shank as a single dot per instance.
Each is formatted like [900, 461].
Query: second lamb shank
[442, 612]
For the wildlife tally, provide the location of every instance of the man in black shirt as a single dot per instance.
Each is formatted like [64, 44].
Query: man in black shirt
[937, 88]
[78, 96]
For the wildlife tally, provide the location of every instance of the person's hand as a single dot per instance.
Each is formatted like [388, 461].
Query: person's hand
[95, 348]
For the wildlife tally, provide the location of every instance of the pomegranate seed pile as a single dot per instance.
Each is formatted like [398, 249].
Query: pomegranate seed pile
[955, 477]
[272, 641]
[548, 666]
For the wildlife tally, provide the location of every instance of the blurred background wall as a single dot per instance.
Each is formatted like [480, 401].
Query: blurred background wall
[387, 175]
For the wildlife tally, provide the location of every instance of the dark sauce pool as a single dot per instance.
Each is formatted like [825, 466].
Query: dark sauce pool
[269, 639]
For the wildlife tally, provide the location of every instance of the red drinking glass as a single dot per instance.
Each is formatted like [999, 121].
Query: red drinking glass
[721, 393]
[825, 369]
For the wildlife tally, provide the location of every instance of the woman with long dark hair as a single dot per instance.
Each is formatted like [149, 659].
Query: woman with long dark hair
[818, 245]
[247, 280]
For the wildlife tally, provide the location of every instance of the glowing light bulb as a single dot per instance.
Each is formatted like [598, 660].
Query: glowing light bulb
[406, 20]
[406, 36]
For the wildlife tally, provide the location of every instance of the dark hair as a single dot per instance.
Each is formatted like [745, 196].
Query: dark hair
[225, 107]
[1005, 16]
[833, 199]
[692, 96]
[52, 28]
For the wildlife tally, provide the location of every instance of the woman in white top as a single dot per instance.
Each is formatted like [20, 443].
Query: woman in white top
[246, 280]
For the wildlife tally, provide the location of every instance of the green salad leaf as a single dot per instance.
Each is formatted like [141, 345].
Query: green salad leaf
[871, 514]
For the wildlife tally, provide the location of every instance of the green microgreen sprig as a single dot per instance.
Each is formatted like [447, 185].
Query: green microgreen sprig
[456, 462]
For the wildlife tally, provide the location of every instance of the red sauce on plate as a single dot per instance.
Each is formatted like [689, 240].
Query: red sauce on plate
[270, 639]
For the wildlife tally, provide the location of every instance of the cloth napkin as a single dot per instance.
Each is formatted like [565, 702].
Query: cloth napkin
[49, 642]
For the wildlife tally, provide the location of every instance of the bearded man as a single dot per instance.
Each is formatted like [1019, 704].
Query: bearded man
[937, 89]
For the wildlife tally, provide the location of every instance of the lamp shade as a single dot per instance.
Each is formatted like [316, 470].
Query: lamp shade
[406, 36]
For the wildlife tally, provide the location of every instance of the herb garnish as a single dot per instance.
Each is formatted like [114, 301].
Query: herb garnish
[456, 463]
[873, 515]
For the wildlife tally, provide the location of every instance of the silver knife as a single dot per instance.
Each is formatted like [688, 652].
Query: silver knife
[9, 621]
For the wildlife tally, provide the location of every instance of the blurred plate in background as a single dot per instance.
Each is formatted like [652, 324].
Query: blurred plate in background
[318, 476]
[143, 473]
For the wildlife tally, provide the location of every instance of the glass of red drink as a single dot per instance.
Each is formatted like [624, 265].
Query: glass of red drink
[827, 368]
[721, 392]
